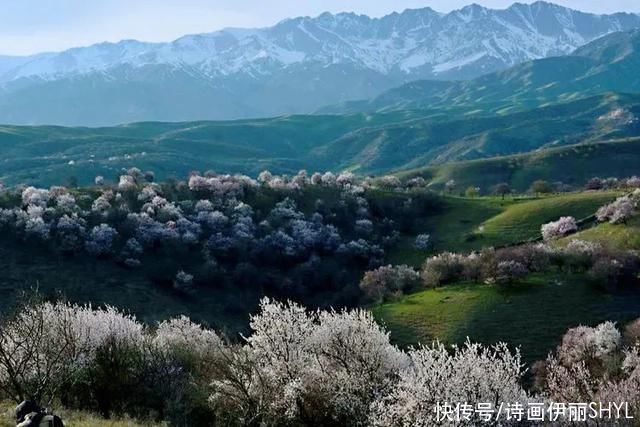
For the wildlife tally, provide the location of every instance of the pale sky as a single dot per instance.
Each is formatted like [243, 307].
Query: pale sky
[31, 26]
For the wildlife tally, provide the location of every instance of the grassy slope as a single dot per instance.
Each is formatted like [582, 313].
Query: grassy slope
[523, 221]
[43, 153]
[584, 161]
[621, 236]
[369, 143]
[72, 419]
[533, 315]
[427, 142]
[465, 224]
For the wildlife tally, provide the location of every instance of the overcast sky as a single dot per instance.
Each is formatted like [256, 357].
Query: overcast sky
[30, 26]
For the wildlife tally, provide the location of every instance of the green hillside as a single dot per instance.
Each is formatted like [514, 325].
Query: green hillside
[585, 97]
[533, 315]
[423, 142]
[522, 222]
[467, 224]
[545, 306]
[367, 143]
[572, 165]
[621, 236]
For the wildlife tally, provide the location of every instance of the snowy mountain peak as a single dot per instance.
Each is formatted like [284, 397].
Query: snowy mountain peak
[463, 43]
[304, 63]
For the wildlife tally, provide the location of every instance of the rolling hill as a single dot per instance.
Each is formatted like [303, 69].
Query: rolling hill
[572, 165]
[366, 143]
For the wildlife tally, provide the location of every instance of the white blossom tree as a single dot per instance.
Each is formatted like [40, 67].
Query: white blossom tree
[617, 212]
[560, 228]
[101, 239]
[469, 375]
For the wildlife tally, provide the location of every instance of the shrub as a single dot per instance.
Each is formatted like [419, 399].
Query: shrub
[502, 189]
[617, 212]
[442, 269]
[100, 240]
[509, 272]
[422, 242]
[563, 227]
[632, 333]
[472, 192]
[390, 281]
[127, 183]
[417, 182]
[183, 281]
[633, 182]
[471, 374]
[595, 184]
[35, 197]
[71, 233]
[541, 187]
[449, 186]
[363, 227]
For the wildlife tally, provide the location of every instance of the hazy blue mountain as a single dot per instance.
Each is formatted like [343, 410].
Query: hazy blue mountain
[296, 66]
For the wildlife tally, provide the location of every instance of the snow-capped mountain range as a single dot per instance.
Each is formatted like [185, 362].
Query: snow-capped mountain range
[296, 66]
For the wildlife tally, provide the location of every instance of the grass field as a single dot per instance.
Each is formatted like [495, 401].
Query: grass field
[467, 224]
[73, 419]
[532, 315]
[522, 221]
[583, 161]
[620, 236]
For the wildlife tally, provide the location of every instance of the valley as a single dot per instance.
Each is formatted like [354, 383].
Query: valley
[333, 220]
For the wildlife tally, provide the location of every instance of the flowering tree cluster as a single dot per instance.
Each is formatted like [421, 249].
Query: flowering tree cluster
[346, 181]
[216, 226]
[471, 373]
[597, 183]
[296, 367]
[594, 365]
[560, 228]
[607, 267]
[314, 367]
[617, 212]
[389, 282]
[44, 346]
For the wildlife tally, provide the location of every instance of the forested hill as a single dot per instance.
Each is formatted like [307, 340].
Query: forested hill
[364, 143]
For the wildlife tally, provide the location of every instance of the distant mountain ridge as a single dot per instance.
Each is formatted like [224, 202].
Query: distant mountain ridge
[608, 64]
[296, 66]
